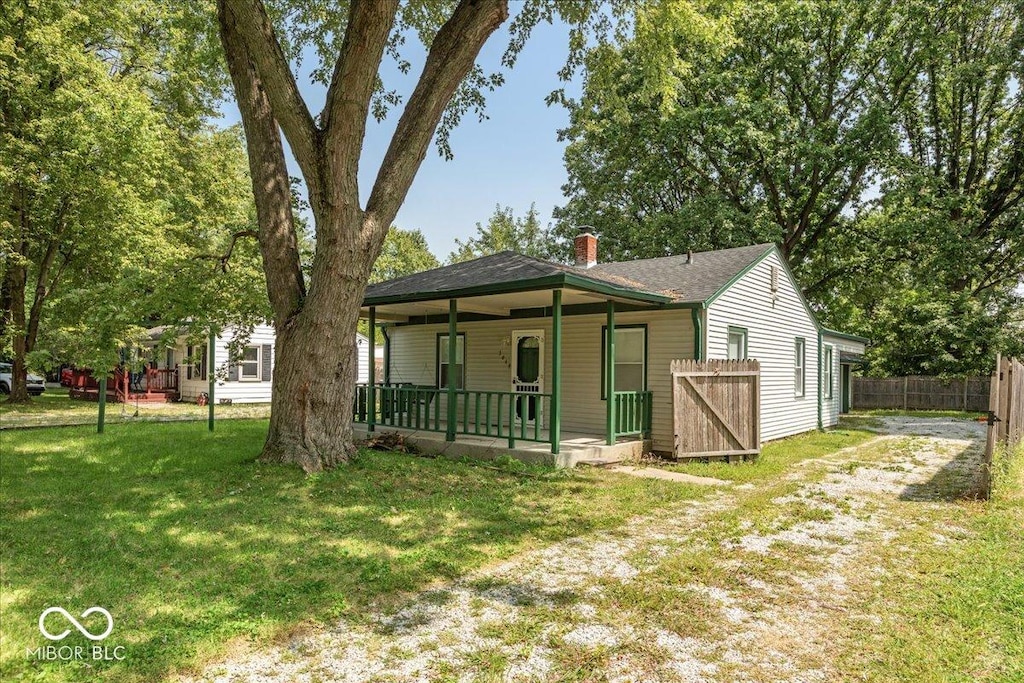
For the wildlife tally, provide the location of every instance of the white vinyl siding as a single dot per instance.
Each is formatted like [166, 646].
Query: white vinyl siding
[830, 407]
[488, 362]
[772, 321]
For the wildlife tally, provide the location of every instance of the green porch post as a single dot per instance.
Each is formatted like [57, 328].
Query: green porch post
[609, 374]
[103, 405]
[212, 376]
[453, 343]
[556, 370]
[371, 409]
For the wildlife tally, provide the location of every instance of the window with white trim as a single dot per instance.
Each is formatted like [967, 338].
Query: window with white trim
[827, 371]
[249, 364]
[630, 358]
[737, 343]
[443, 372]
[799, 366]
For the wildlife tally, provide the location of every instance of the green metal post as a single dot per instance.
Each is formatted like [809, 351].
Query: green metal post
[103, 405]
[453, 343]
[698, 334]
[556, 370]
[610, 373]
[211, 375]
[371, 409]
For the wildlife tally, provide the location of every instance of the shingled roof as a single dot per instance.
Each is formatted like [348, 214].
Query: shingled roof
[666, 279]
[688, 280]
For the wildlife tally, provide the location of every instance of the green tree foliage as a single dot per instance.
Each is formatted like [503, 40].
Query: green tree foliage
[404, 252]
[766, 128]
[884, 158]
[111, 183]
[504, 232]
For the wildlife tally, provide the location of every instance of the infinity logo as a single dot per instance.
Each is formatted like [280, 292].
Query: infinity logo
[74, 622]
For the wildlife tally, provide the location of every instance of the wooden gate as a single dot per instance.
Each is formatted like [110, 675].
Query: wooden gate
[716, 407]
[1006, 411]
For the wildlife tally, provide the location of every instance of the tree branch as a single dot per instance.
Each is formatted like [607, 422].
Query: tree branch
[451, 57]
[271, 186]
[248, 21]
[226, 256]
[352, 86]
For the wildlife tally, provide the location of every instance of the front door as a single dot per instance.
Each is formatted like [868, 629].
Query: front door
[528, 371]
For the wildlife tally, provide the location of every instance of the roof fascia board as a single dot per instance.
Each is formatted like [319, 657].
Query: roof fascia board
[845, 335]
[547, 282]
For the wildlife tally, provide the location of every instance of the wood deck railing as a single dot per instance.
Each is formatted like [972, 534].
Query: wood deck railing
[500, 414]
[632, 412]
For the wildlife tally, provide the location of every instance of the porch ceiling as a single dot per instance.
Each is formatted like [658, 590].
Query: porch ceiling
[489, 304]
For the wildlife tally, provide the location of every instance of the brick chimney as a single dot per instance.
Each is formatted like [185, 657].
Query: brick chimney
[586, 250]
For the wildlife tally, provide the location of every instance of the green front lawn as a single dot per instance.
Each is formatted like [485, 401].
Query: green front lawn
[194, 548]
[55, 408]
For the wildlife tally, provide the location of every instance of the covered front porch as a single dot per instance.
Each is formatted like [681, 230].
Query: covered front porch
[505, 383]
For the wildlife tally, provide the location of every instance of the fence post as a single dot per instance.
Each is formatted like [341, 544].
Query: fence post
[905, 382]
[967, 382]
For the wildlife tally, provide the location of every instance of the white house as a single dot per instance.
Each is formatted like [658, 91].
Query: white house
[246, 381]
[530, 356]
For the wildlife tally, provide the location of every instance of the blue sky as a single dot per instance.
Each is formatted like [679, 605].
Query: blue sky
[513, 158]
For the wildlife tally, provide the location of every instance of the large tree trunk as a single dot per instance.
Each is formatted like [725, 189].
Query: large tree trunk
[315, 373]
[314, 380]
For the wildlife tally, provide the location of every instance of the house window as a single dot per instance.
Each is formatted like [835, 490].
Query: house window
[196, 362]
[169, 364]
[249, 364]
[630, 358]
[737, 343]
[799, 364]
[443, 371]
[827, 372]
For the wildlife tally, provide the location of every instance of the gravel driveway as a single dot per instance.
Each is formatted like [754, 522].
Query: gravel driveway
[747, 584]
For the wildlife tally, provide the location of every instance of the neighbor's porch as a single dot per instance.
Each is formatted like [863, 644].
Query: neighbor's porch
[528, 414]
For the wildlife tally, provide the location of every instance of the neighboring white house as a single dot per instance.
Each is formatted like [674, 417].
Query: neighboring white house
[246, 381]
[741, 303]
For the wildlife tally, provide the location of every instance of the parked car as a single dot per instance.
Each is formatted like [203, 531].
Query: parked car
[36, 384]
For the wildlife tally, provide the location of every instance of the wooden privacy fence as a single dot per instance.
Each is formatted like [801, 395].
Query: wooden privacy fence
[921, 393]
[716, 407]
[1006, 411]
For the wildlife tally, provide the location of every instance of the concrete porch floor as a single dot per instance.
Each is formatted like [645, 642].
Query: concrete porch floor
[575, 449]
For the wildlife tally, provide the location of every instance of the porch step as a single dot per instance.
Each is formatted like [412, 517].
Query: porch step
[610, 461]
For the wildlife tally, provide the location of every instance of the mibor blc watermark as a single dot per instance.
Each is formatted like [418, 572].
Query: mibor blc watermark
[68, 653]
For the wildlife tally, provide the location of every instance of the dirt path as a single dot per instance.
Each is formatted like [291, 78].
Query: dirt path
[752, 583]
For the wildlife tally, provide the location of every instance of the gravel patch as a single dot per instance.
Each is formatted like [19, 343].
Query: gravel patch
[774, 630]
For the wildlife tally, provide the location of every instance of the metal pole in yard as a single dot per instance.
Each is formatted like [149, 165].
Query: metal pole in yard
[556, 370]
[371, 409]
[103, 405]
[211, 374]
[453, 343]
[610, 374]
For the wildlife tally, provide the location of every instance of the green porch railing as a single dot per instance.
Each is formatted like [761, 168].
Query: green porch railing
[632, 412]
[501, 414]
